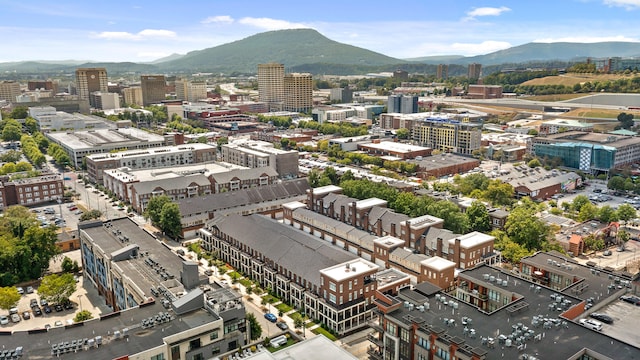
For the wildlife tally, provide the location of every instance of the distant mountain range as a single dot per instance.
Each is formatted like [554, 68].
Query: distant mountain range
[309, 51]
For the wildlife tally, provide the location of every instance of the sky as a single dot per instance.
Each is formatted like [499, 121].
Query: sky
[146, 30]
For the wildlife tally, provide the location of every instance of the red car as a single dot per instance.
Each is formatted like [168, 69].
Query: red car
[73, 208]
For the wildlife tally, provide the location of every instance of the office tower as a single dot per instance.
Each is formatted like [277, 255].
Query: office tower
[344, 95]
[475, 71]
[190, 91]
[153, 89]
[9, 90]
[271, 82]
[404, 104]
[442, 72]
[132, 95]
[298, 92]
[89, 80]
[105, 101]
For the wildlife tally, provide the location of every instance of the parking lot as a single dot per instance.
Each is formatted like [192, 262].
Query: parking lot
[624, 317]
[81, 299]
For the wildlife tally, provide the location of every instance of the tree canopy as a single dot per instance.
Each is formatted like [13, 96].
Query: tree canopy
[9, 297]
[57, 288]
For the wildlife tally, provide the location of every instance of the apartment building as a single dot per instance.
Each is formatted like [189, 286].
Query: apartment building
[9, 90]
[442, 72]
[474, 71]
[30, 191]
[133, 96]
[448, 135]
[79, 144]
[149, 158]
[271, 82]
[484, 91]
[191, 91]
[153, 89]
[402, 104]
[254, 154]
[397, 150]
[298, 92]
[89, 80]
[105, 100]
[444, 164]
[301, 269]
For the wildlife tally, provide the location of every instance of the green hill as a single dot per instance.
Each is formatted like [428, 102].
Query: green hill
[290, 47]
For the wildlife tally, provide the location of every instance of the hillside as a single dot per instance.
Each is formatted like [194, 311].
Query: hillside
[290, 47]
[571, 79]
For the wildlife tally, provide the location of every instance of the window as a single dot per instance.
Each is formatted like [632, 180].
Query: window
[213, 335]
[194, 344]
[158, 357]
[332, 286]
[332, 298]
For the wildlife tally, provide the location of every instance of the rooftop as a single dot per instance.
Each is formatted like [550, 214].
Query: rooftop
[395, 146]
[129, 154]
[108, 138]
[350, 269]
[473, 239]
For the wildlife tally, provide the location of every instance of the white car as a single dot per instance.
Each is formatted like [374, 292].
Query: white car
[4, 320]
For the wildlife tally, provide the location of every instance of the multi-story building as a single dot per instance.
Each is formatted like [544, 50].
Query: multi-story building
[33, 85]
[329, 284]
[591, 152]
[48, 119]
[79, 144]
[271, 82]
[153, 89]
[466, 251]
[191, 91]
[563, 125]
[343, 95]
[474, 71]
[133, 96]
[105, 100]
[403, 104]
[444, 165]
[254, 154]
[442, 72]
[394, 149]
[169, 156]
[9, 90]
[30, 190]
[448, 135]
[484, 91]
[90, 80]
[298, 92]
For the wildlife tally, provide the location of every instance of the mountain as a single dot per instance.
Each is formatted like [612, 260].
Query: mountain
[289, 47]
[437, 59]
[167, 58]
[561, 51]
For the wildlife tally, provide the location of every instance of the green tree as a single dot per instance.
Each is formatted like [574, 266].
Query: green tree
[298, 322]
[579, 201]
[607, 214]
[588, 211]
[57, 288]
[616, 183]
[170, 220]
[402, 133]
[626, 212]
[534, 163]
[254, 326]
[11, 133]
[11, 156]
[83, 316]
[525, 228]
[154, 208]
[31, 124]
[222, 141]
[626, 120]
[90, 215]
[623, 238]
[499, 193]
[478, 216]
[9, 297]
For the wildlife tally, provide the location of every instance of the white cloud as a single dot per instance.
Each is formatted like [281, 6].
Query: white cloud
[587, 39]
[487, 11]
[484, 47]
[627, 4]
[224, 19]
[271, 24]
[144, 34]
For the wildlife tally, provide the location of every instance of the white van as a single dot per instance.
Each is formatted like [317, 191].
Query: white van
[591, 324]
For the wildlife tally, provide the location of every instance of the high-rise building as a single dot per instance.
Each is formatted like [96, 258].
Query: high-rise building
[404, 104]
[89, 80]
[271, 82]
[191, 91]
[475, 71]
[104, 100]
[344, 95]
[9, 90]
[132, 95]
[298, 92]
[153, 89]
[442, 72]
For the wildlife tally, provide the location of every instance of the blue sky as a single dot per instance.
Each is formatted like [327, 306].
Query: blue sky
[145, 30]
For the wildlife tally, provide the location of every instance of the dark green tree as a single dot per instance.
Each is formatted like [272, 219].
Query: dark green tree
[478, 216]
[170, 220]
[526, 229]
[254, 326]
[154, 208]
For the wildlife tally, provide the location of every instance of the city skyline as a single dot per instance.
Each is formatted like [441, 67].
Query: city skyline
[144, 31]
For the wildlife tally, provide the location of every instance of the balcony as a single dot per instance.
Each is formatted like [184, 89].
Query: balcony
[374, 353]
[375, 326]
[374, 339]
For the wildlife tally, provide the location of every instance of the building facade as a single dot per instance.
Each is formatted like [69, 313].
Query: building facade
[448, 135]
[133, 96]
[271, 82]
[153, 89]
[30, 190]
[254, 154]
[403, 104]
[298, 92]
[474, 71]
[90, 80]
[9, 90]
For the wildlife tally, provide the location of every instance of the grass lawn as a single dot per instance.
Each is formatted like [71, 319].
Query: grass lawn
[245, 282]
[284, 307]
[270, 299]
[320, 331]
[235, 274]
[555, 97]
[290, 341]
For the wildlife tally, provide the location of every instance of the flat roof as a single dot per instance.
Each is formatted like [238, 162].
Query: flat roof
[367, 203]
[438, 263]
[395, 146]
[129, 154]
[90, 139]
[349, 269]
[472, 239]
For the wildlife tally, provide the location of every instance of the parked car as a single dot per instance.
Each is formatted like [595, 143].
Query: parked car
[20, 290]
[15, 318]
[282, 325]
[43, 302]
[271, 317]
[4, 319]
[631, 299]
[78, 212]
[58, 323]
[602, 317]
[591, 324]
[58, 307]
[37, 311]
[68, 305]
[47, 309]
[208, 272]
[607, 253]
[33, 303]
[26, 315]
[73, 208]
[29, 289]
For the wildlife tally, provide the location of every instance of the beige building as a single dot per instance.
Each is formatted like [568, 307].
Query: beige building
[298, 92]
[105, 101]
[153, 89]
[191, 91]
[271, 82]
[132, 95]
[9, 90]
[256, 154]
[89, 80]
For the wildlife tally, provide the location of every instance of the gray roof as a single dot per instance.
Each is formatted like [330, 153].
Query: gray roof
[231, 199]
[179, 182]
[338, 228]
[537, 184]
[243, 174]
[293, 249]
[386, 217]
